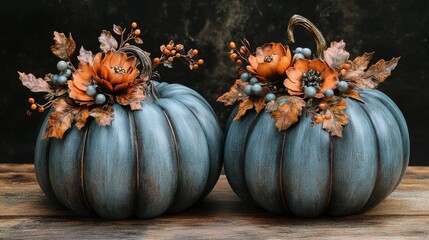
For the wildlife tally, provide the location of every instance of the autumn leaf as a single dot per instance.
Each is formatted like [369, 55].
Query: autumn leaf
[132, 96]
[336, 55]
[60, 119]
[361, 63]
[81, 117]
[103, 115]
[242, 108]
[378, 72]
[117, 29]
[259, 104]
[334, 116]
[352, 93]
[236, 93]
[107, 41]
[63, 47]
[35, 84]
[285, 110]
[85, 56]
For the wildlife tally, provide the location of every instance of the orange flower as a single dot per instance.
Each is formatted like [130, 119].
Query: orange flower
[113, 73]
[270, 62]
[322, 77]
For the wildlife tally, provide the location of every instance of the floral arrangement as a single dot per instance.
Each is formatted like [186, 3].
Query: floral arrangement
[289, 83]
[111, 76]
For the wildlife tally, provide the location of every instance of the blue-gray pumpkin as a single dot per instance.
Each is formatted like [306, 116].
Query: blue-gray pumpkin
[161, 159]
[305, 172]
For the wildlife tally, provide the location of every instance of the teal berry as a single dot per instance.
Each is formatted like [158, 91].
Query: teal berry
[248, 90]
[298, 50]
[310, 92]
[343, 86]
[62, 80]
[68, 73]
[270, 97]
[257, 89]
[253, 80]
[245, 77]
[55, 78]
[91, 91]
[306, 52]
[329, 93]
[298, 56]
[100, 99]
[62, 66]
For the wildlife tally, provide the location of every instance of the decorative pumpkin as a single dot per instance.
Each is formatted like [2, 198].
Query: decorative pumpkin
[143, 163]
[304, 170]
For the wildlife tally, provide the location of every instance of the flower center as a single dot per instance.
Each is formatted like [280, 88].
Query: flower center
[268, 58]
[311, 79]
[118, 69]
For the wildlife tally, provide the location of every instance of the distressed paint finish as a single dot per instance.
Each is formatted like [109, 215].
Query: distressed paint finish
[161, 159]
[306, 172]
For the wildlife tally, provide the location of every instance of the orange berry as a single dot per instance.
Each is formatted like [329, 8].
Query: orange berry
[200, 61]
[178, 55]
[319, 119]
[233, 56]
[31, 100]
[179, 47]
[239, 62]
[173, 52]
[134, 25]
[195, 52]
[156, 61]
[33, 107]
[327, 116]
[322, 106]
[126, 44]
[343, 72]
[166, 51]
[346, 66]
[242, 49]
[137, 32]
[41, 109]
[195, 66]
[232, 45]
[169, 47]
[170, 59]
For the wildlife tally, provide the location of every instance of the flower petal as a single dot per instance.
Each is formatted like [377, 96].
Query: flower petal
[116, 59]
[302, 65]
[253, 62]
[106, 59]
[129, 63]
[294, 75]
[318, 65]
[294, 92]
[293, 86]
[283, 64]
[81, 79]
[268, 70]
[105, 71]
[120, 87]
[76, 93]
[330, 79]
[97, 63]
[279, 49]
[106, 86]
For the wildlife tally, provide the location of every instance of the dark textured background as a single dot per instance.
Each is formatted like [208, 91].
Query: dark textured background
[391, 28]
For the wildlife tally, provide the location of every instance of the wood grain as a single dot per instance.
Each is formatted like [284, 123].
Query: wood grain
[25, 213]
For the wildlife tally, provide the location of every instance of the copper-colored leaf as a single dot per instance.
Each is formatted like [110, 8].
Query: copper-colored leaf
[85, 56]
[35, 84]
[375, 75]
[138, 40]
[336, 55]
[60, 119]
[334, 116]
[242, 108]
[235, 93]
[81, 117]
[63, 47]
[352, 93]
[285, 110]
[103, 115]
[117, 29]
[259, 104]
[378, 72]
[132, 96]
[107, 41]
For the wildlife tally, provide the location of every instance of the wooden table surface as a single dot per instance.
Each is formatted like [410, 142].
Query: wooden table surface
[25, 213]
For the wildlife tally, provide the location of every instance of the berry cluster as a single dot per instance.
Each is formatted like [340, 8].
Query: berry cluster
[64, 74]
[302, 53]
[239, 54]
[173, 51]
